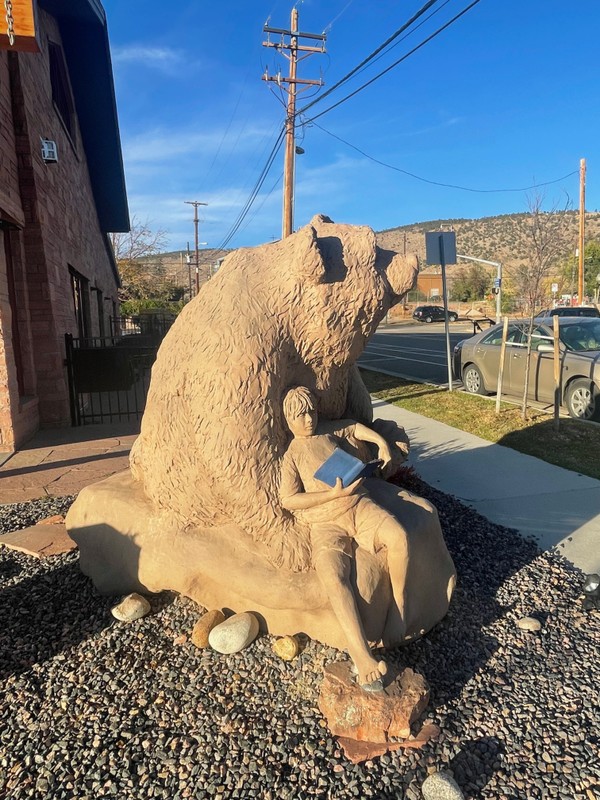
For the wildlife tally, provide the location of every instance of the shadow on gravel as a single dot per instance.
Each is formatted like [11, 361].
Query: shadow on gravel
[476, 763]
[44, 614]
[9, 568]
[486, 556]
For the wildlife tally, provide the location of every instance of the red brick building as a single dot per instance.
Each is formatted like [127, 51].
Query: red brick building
[62, 189]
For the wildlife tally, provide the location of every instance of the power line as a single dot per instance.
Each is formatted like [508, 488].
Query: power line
[438, 183]
[365, 61]
[254, 193]
[409, 33]
[395, 64]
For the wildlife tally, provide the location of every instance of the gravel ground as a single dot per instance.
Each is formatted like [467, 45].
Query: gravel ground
[94, 708]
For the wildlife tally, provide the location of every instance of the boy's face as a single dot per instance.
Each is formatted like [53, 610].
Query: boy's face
[305, 424]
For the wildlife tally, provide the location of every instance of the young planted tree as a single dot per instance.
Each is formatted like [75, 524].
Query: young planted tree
[546, 240]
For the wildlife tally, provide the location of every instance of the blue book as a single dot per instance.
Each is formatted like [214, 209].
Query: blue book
[341, 464]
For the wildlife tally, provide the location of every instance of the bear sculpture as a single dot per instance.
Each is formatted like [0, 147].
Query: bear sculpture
[199, 510]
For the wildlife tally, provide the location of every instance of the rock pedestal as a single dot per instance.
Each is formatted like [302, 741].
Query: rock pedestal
[368, 722]
[371, 716]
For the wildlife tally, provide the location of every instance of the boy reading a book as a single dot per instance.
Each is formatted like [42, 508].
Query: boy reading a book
[337, 516]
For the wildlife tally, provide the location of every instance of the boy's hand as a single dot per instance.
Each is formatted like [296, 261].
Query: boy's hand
[340, 491]
[385, 454]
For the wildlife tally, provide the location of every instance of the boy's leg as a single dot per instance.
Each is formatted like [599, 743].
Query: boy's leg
[333, 569]
[393, 537]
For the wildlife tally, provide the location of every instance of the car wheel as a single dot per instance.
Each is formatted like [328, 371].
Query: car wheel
[453, 317]
[582, 400]
[473, 380]
[428, 319]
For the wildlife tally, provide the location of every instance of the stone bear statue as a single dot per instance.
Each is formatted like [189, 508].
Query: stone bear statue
[202, 494]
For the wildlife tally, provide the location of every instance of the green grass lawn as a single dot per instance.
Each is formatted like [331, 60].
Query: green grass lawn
[575, 446]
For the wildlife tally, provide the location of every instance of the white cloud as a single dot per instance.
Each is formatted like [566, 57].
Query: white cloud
[164, 59]
[160, 145]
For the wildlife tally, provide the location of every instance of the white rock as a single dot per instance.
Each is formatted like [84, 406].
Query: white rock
[529, 624]
[441, 786]
[132, 607]
[234, 634]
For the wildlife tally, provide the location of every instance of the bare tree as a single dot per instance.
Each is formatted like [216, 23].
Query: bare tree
[141, 272]
[140, 242]
[547, 240]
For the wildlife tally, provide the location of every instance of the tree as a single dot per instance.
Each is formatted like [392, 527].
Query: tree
[546, 239]
[471, 283]
[591, 269]
[143, 280]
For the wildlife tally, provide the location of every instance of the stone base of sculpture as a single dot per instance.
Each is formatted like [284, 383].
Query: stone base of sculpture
[126, 546]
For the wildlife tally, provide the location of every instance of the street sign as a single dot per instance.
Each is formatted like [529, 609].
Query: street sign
[554, 288]
[497, 282]
[440, 247]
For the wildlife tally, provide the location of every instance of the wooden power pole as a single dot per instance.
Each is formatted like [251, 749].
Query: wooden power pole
[196, 203]
[580, 288]
[290, 47]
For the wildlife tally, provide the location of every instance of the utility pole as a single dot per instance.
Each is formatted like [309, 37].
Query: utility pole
[581, 288]
[294, 47]
[196, 203]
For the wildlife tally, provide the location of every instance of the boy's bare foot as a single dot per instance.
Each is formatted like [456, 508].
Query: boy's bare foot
[370, 671]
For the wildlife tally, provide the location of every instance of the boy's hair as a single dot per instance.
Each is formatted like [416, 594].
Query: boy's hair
[297, 401]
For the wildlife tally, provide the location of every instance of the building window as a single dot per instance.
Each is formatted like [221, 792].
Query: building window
[81, 302]
[62, 96]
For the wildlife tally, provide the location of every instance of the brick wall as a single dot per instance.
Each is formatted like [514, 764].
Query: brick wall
[61, 230]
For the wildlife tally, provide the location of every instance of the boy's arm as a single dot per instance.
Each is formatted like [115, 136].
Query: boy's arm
[365, 434]
[299, 501]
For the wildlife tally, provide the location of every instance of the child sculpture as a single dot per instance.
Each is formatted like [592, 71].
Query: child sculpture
[341, 518]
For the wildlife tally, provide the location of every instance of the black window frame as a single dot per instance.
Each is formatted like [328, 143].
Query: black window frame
[62, 94]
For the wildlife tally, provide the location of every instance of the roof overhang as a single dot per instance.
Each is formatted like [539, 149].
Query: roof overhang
[84, 35]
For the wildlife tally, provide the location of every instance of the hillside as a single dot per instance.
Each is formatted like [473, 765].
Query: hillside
[502, 238]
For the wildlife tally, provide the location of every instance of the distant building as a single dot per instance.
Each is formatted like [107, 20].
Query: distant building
[62, 189]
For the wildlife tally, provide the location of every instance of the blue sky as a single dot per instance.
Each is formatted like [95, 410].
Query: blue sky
[505, 98]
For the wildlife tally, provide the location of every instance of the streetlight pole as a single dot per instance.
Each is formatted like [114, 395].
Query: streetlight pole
[196, 203]
[498, 266]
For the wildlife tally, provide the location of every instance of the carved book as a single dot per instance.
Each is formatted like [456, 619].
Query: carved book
[341, 464]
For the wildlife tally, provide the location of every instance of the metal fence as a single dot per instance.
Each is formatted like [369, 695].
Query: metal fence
[109, 376]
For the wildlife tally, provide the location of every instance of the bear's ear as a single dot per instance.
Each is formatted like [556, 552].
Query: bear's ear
[308, 260]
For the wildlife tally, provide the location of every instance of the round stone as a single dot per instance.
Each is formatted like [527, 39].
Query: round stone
[234, 634]
[529, 624]
[205, 625]
[441, 786]
[132, 607]
[287, 648]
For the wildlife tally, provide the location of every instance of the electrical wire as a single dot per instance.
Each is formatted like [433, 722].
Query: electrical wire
[328, 28]
[372, 55]
[402, 38]
[439, 183]
[264, 200]
[391, 66]
[254, 193]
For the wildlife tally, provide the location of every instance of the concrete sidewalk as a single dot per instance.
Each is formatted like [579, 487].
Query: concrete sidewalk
[61, 461]
[557, 507]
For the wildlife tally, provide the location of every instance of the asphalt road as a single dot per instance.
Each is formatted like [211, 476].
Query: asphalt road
[414, 350]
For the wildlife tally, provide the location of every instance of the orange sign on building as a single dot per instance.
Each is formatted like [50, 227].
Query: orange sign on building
[18, 29]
